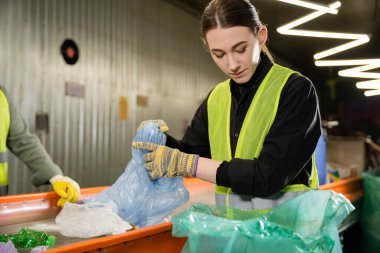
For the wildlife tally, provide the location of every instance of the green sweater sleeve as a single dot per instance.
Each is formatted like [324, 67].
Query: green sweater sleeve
[28, 148]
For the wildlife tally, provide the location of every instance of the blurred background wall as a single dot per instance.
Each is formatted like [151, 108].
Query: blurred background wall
[143, 59]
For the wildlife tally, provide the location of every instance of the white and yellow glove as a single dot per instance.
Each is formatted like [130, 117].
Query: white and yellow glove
[163, 161]
[66, 188]
[161, 124]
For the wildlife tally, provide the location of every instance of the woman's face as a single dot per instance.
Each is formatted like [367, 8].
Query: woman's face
[236, 50]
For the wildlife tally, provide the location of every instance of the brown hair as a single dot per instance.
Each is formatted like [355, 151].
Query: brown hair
[229, 13]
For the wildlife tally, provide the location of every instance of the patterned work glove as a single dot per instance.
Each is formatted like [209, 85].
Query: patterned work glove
[163, 161]
[66, 188]
[161, 124]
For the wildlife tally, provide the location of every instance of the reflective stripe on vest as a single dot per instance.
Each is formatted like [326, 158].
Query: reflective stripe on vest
[261, 115]
[4, 128]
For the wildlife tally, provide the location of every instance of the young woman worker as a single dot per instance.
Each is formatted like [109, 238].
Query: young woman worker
[255, 134]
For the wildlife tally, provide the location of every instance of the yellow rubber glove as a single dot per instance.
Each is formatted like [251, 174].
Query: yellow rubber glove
[163, 161]
[161, 124]
[66, 188]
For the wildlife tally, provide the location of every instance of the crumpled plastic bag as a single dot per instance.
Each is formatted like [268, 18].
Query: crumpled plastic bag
[89, 220]
[307, 223]
[136, 198]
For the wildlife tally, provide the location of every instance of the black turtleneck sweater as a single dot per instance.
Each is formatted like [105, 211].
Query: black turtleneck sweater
[286, 154]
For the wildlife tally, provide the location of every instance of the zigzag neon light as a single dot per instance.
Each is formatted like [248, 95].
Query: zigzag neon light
[356, 40]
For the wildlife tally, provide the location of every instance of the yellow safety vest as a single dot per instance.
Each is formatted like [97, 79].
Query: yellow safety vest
[4, 128]
[256, 125]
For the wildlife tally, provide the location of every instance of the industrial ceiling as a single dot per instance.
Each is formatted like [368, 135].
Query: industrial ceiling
[358, 17]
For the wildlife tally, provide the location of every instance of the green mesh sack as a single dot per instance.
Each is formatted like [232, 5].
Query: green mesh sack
[307, 223]
[370, 221]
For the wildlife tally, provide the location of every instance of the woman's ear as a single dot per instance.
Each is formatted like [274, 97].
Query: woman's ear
[263, 35]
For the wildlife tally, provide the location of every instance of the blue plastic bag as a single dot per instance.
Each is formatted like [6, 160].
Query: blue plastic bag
[137, 199]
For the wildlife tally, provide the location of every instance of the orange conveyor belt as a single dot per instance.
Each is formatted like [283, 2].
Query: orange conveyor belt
[38, 211]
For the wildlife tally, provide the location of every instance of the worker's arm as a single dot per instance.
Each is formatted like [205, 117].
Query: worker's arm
[162, 161]
[207, 169]
[28, 148]
[197, 142]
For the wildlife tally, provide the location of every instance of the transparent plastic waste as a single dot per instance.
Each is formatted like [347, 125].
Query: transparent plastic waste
[307, 223]
[39, 249]
[370, 220]
[89, 220]
[136, 198]
[28, 238]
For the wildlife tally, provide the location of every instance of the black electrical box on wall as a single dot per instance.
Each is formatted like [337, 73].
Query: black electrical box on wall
[42, 122]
